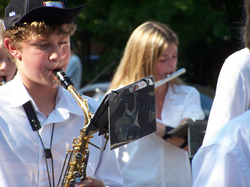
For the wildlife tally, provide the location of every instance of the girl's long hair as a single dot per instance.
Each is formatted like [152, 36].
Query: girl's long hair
[144, 47]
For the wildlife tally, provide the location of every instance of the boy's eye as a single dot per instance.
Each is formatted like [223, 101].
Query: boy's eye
[41, 46]
[44, 45]
[63, 42]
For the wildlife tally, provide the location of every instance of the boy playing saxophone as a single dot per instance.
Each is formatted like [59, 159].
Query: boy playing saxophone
[37, 35]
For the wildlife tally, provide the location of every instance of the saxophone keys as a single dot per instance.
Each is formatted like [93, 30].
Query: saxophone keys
[77, 176]
[78, 156]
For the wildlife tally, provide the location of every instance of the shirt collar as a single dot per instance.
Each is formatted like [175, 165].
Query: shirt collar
[18, 91]
[65, 102]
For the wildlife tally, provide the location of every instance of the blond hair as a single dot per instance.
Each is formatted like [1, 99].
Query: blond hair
[18, 34]
[144, 47]
[2, 28]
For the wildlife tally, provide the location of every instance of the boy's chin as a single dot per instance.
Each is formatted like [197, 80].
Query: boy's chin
[55, 85]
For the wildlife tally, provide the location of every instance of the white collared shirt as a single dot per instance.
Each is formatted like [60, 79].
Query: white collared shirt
[22, 161]
[151, 161]
[224, 159]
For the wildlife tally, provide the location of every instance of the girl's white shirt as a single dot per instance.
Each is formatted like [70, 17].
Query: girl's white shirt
[151, 161]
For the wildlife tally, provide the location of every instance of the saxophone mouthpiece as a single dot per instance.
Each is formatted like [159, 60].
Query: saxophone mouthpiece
[62, 78]
[3, 80]
[56, 70]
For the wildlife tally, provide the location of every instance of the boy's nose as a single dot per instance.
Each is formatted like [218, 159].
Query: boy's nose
[56, 54]
[3, 65]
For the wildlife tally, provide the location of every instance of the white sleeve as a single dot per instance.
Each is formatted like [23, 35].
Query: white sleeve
[215, 165]
[231, 99]
[108, 169]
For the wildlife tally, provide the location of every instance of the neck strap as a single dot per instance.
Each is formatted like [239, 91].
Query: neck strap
[35, 125]
[30, 112]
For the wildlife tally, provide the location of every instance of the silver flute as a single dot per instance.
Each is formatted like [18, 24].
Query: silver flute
[170, 77]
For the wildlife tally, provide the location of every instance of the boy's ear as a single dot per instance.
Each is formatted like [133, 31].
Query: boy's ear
[12, 48]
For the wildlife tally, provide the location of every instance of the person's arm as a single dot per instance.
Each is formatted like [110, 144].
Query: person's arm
[177, 141]
[231, 98]
[216, 165]
[74, 71]
[192, 110]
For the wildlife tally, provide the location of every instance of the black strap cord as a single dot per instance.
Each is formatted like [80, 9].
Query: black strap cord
[35, 125]
[48, 154]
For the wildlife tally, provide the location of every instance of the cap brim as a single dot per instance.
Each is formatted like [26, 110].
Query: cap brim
[50, 15]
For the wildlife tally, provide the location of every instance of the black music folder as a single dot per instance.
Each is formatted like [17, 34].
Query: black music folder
[193, 131]
[127, 113]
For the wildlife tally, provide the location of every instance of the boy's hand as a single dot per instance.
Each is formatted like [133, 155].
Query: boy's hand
[91, 182]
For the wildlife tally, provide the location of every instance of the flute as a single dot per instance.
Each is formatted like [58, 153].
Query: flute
[170, 77]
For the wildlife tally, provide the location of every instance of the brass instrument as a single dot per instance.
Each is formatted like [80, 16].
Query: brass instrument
[76, 164]
[170, 77]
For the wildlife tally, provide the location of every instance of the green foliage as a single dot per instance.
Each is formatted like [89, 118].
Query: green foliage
[208, 31]
[3, 5]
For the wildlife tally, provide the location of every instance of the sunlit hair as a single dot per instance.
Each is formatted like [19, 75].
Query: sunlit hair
[2, 29]
[19, 34]
[1, 33]
[247, 24]
[144, 47]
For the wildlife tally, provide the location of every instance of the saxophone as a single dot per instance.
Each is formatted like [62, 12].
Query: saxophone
[77, 158]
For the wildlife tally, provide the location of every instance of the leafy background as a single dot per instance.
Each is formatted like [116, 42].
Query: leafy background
[208, 30]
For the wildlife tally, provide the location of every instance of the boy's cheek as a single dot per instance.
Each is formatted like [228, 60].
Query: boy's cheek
[66, 62]
[65, 51]
[65, 67]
